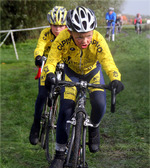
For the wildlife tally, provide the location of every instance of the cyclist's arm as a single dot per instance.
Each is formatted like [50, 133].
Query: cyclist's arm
[42, 42]
[140, 21]
[54, 57]
[107, 16]
[135, 21]
[106, 60]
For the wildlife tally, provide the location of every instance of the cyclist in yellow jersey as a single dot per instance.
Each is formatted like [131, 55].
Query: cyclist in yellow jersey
[84, 51]
[57, 20]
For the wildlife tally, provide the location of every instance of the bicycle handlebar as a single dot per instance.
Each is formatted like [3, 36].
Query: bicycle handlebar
[40, 68]
[43, 62]
[85, 85]
[60, 66]
[113, 100]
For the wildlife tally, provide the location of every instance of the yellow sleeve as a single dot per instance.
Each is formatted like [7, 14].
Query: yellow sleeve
[42, 42]
[106, 60]
[54, 57]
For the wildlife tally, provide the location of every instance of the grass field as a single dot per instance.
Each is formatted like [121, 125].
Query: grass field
[124, 134]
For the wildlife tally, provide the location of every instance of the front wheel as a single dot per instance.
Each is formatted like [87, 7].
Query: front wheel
[51, 129]
[76, 156]
[44, 122]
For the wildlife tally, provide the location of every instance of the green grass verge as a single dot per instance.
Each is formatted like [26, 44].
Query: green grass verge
[124, 134]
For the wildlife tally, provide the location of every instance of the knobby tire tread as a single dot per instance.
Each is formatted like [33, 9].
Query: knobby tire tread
[51, 133]
[43, 125]
[77, 140]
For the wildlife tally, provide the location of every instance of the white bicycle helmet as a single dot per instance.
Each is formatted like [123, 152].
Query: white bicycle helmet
[57, 16]
[111, 9]
[81, 19]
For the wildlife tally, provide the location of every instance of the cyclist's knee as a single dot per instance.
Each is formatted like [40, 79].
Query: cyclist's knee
[98, 102]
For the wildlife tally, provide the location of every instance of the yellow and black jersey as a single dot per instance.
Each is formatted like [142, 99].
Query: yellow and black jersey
[81, 61]
[44, 43]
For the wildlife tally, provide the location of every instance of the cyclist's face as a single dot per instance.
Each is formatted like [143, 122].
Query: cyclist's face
[110, 12]
[56, 29]
[82, 40]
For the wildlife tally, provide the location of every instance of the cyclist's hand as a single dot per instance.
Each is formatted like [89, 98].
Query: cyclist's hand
[38, 60]
[106, 21]
[50, 80]
[112, 20]
[118, 85]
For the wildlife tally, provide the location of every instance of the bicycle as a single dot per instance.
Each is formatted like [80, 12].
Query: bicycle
[76, 148]
[49, 114]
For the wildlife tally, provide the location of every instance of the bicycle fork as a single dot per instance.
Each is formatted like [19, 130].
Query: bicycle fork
[79, 111]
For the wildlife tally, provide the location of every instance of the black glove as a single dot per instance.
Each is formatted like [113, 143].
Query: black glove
[112, 20]
[50, 80]
[38, 60]
[118, 85]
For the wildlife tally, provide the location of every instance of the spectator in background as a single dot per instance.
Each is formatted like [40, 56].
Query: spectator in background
[110, 20]
[138, 20]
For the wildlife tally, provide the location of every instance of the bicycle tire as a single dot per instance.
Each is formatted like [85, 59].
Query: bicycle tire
[51, 129]
[77, 140]
[44, 122]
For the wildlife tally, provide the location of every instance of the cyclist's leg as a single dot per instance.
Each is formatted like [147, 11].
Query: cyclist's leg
[98, 103]
[97, 96]
[140, 28]
[41, 98]
[135, 27]
[113, 31]
[66, 111]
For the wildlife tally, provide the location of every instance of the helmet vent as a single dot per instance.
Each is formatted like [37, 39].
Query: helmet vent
[58, 16]
[84, 24]
[92, 25]
[89, 18]
[82, 14]
[76, 18]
